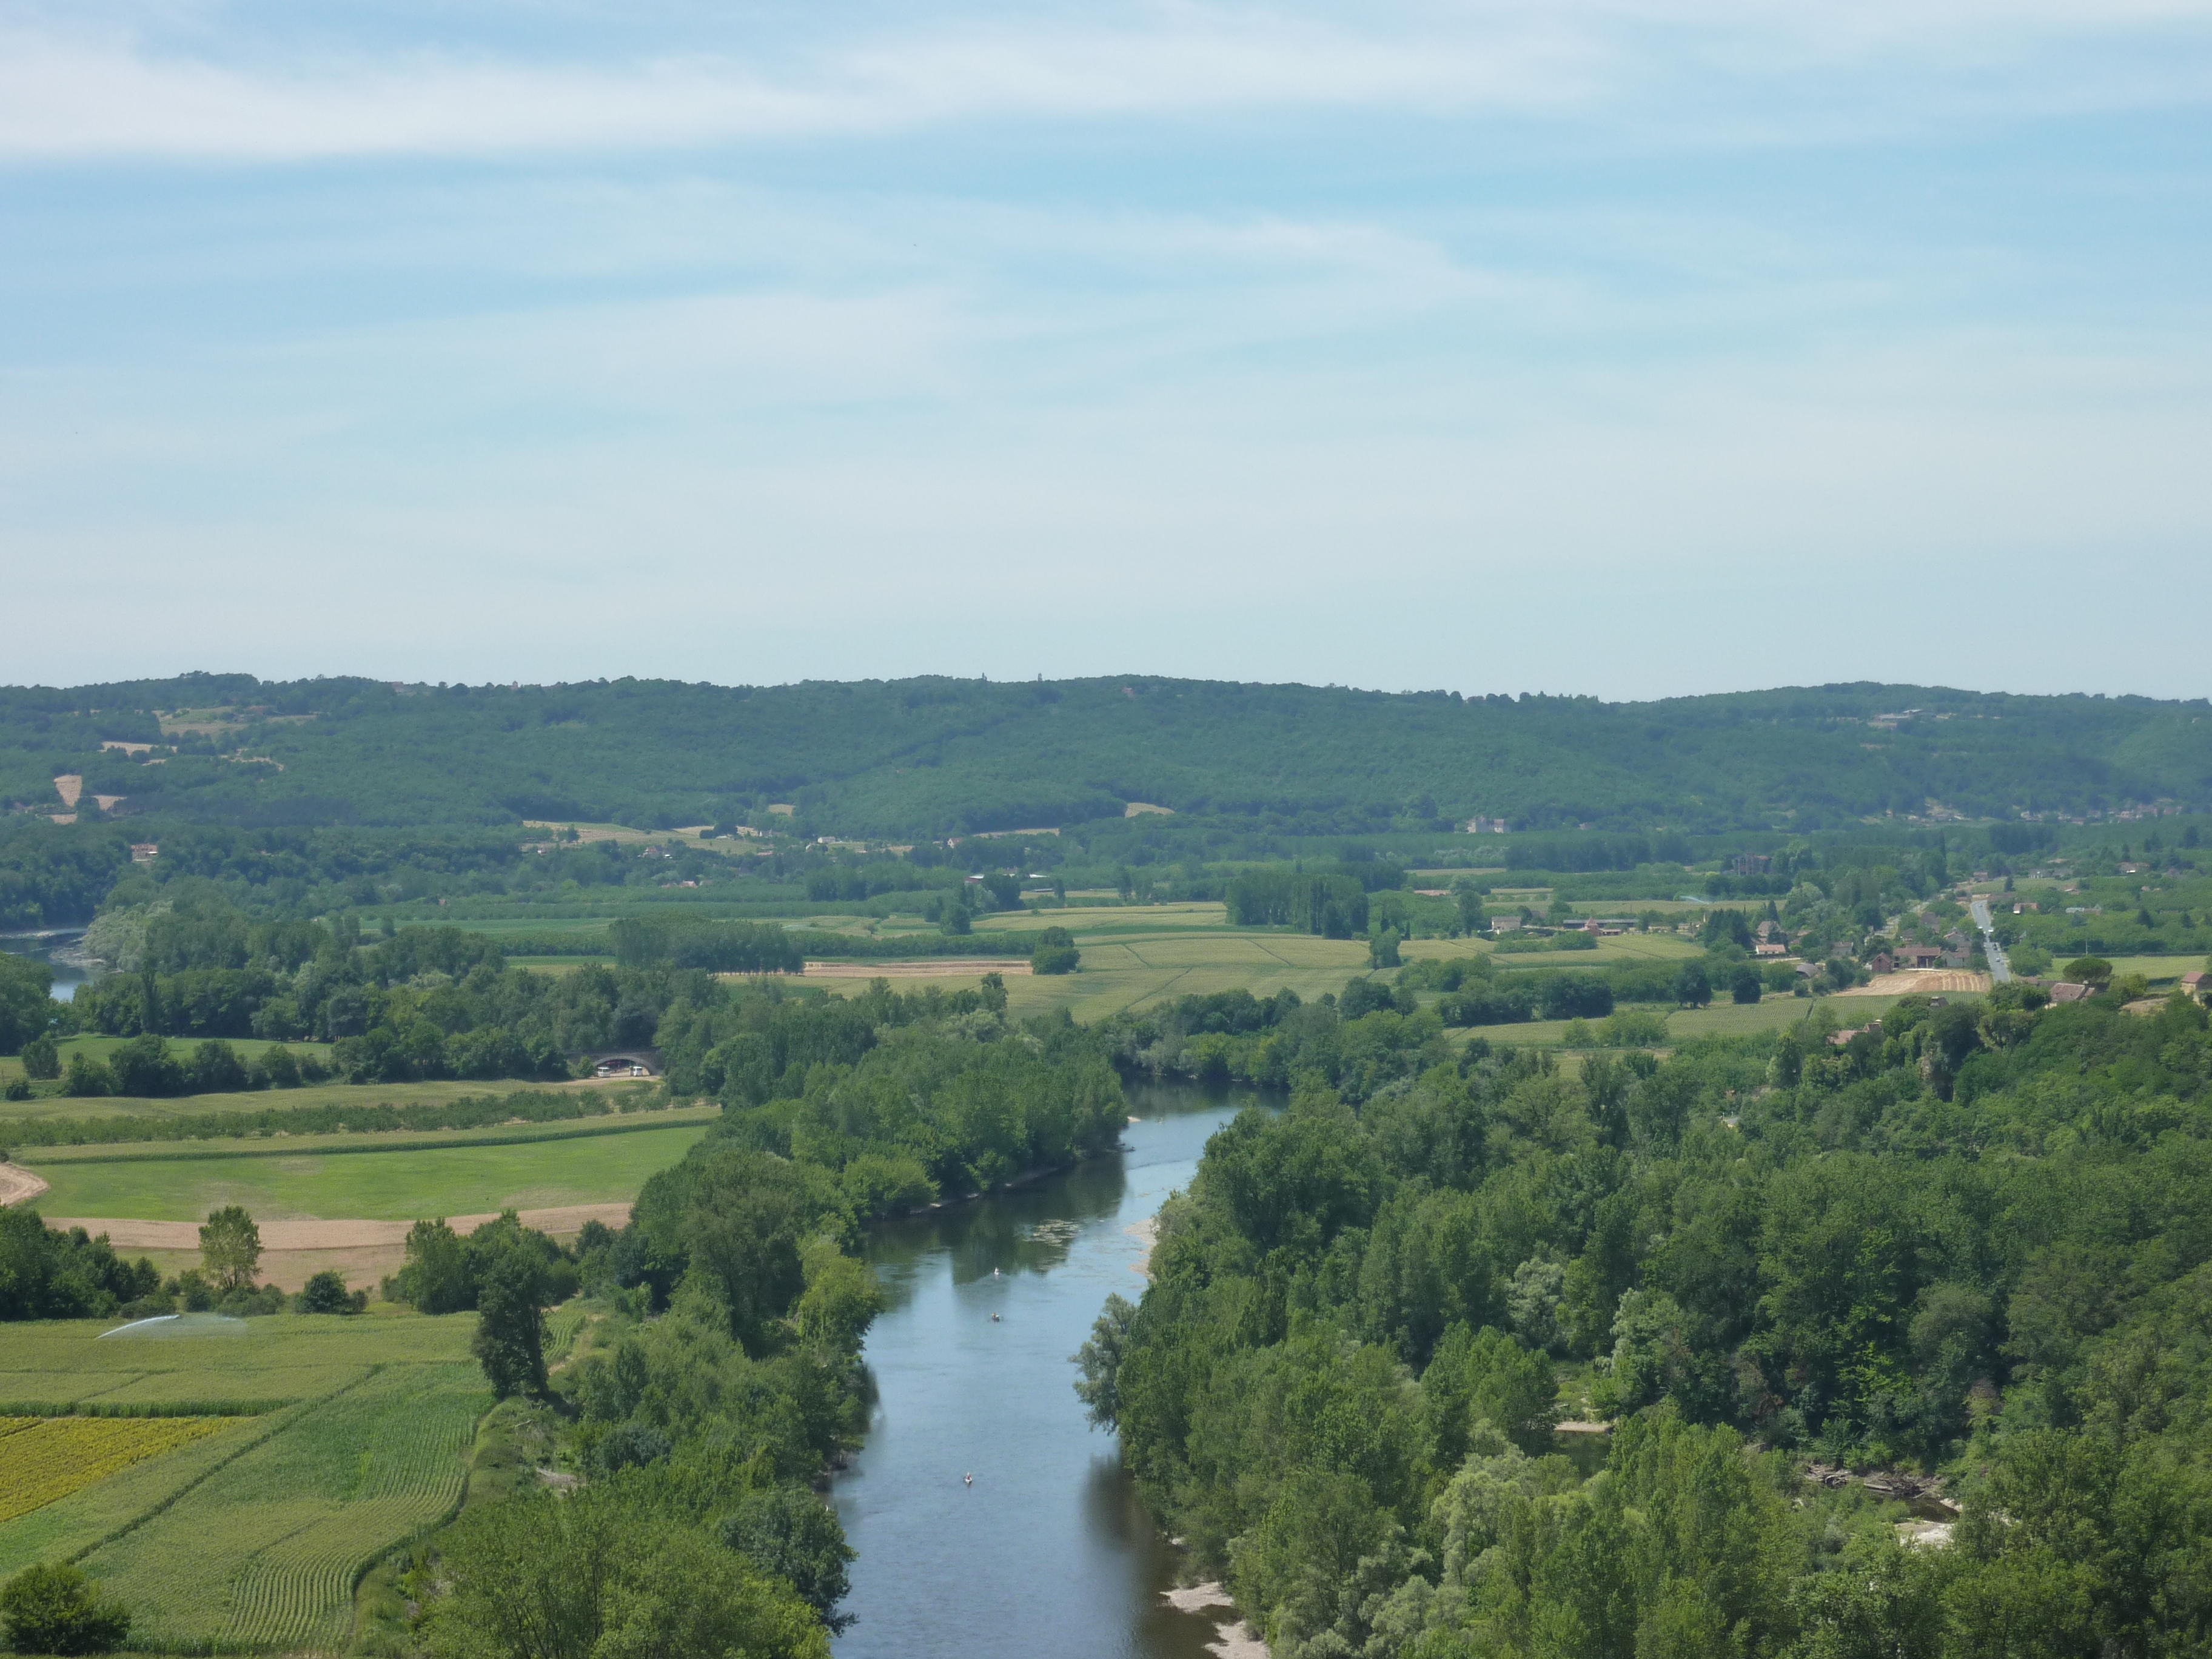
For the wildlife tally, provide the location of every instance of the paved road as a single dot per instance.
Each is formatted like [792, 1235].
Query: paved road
[2000, 970]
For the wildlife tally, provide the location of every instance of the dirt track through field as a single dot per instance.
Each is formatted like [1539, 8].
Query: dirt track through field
[277, 1236]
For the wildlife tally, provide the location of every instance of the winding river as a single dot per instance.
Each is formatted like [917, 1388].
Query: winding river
[1047, 1555]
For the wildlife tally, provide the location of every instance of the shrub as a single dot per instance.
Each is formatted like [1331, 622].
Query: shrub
[246, 1302]
[1633, 1027]
[58, 1609]
[19, 1088]
[1055, 952]
[40, 1059]
[87, 1076]
[629, 1446]
[326, 1293]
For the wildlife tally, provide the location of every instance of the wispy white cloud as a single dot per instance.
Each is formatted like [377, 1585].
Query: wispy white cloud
[68, 90]
[62, 97]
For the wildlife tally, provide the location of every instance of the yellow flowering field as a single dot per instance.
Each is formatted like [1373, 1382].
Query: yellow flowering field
[42, 1459]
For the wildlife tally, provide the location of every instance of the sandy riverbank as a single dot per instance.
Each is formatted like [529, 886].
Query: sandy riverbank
[1148, 1232]
[1234, 1640]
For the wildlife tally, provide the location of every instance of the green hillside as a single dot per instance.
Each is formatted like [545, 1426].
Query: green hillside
[935, 757]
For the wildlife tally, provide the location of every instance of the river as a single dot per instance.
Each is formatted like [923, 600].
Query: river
[41, 946]
[1049, 1552]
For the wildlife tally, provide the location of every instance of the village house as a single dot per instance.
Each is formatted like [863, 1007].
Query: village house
[1920, 955]
[1881, 963]
[2067, 991]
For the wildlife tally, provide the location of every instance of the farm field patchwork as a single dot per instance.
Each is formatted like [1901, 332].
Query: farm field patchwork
[248, 1536]
[263, 1552]
[396, 1185]
[1127, 966]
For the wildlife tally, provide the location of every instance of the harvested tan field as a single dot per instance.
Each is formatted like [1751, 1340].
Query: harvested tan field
[1923, 981]
[913, 968]
[69, 786]
[312, 1234]
[18, 1186]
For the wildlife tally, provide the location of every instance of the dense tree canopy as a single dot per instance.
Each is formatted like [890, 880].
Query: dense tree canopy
[1968, 1239]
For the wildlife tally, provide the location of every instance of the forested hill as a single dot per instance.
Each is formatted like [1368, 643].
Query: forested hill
[932, 756]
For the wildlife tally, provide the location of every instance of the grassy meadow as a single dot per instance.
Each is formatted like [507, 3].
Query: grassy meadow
[2161, 971]
[400, 1184]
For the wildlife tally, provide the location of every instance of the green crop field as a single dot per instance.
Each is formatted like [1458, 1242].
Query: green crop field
[321, 1094]
[1136, 954]
[1717, 1019]
[1130, 917]
[1621, 947]
[396, 1185]
[251, 1538]
[264, 1553]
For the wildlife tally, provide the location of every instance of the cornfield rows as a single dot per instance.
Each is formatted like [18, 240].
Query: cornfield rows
[562, 1326]
[263, 1553]
[44, 1461]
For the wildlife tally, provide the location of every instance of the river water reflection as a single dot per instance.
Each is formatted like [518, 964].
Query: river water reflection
[41, 946]
[1049, 1552]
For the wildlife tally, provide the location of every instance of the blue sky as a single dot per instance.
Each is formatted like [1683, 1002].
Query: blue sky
[1619, 347]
